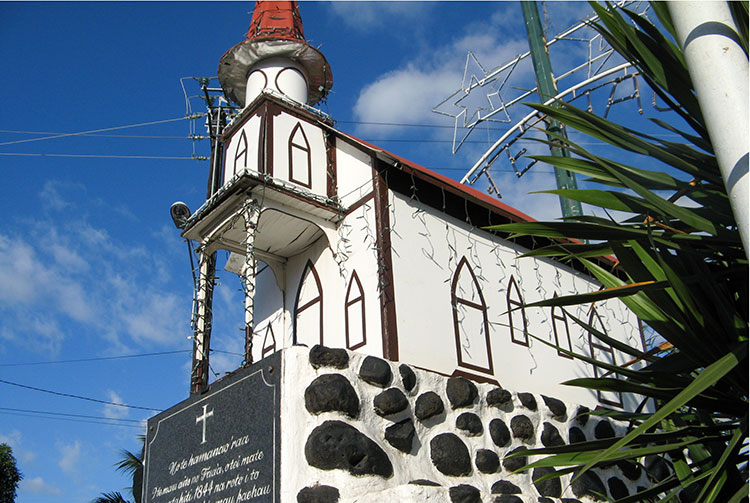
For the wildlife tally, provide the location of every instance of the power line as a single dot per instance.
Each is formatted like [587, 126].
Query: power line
[94, 131]
[121, 425]
[101, 358]
[161, 137]
[68, 395]
[51, 413]
[99, 156]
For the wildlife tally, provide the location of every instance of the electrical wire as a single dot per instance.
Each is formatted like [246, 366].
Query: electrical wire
[122, 425]
[69, 395]
[101, 358]
[99, 156]
[94, 131]
[51, 413]
[161, 137]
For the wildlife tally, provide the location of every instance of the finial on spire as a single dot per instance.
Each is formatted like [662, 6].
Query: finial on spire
[275, 32]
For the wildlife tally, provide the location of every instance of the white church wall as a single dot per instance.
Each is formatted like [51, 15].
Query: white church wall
[299, 153]
[353, 173]
[429, 247]
[241, 151]
[270, 316]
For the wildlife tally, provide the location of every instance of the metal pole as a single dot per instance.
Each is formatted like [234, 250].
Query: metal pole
[718, 67]
[547, 89]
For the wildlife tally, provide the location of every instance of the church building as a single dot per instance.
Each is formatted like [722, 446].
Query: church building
[340, 243]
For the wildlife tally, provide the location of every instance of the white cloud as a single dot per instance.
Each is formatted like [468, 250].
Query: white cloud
[70, 455]
[370, 16]
[113, 411]
[37, 485]
[13, 439]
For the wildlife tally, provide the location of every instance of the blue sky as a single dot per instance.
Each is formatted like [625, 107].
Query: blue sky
[91, 264]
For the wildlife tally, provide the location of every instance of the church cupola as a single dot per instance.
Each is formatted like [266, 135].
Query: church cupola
[276, 56]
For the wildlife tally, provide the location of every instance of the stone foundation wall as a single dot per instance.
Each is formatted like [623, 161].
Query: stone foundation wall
[357, 428]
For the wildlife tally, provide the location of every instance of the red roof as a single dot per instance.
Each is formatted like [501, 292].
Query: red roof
[276, 20]
[465, 191]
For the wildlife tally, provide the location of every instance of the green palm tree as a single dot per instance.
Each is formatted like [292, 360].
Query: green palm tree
[130, 464]
[681, 269]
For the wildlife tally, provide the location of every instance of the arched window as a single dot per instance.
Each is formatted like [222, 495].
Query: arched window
[300, 161]
[519, 327]
[603, 352]
[354, 314]
[269, 342]
[470, 320]
[561, 330]
[241, 152]
[308, 309]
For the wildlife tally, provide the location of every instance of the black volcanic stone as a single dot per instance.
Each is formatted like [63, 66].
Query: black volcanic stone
[549, 487]
[544, 499]
[582, 415]
[498, 397]
[401, 435]
[576, 435]
[321, 356]
[318, 494]
[508, 498]
[464, 493]
[487, 461]
[450, 455]
[375, 371]
[505, 487]
[499, 432]
[527, 400]
[389, 402]
[522, 427]
[513, 464]
[589, 484]
[424, 482]
[408, 378]
[428, 404]
[550, 436]
[629, 469]
[656, 467]
[335, 444]
[461, 392]
[470, 423]
[555, 406]
[617, 488]
[604, 430]
[331, 393]
[569, 500]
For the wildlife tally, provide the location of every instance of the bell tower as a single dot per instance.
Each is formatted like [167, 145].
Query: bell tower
[273, 62]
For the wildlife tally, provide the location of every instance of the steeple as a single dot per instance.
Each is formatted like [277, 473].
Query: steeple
[275, 55]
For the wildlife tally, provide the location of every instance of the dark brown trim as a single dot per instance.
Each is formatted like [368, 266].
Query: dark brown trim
[331, 174]
[291, 145]
[262, 133]
[455, 300]
[268, 115]
[349, 303]
[385, 263]
[564, 319]
[319, 299]
[265, 78]
[514, 304]
[359, 203]
[266, 349]
[596, 345]
[241, 142]
[276, 80]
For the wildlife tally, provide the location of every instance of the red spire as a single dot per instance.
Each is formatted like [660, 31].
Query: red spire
[274, 19]
[275, 31]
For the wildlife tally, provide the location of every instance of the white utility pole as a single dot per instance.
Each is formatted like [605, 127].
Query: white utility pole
[718, 67]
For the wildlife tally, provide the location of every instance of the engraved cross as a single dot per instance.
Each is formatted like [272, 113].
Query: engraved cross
[203, 419]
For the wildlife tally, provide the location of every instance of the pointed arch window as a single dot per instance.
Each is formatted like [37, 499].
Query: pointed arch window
[300, 159]
[269, 342]
[470, 320]
[561, 330]
[519, 326]
[603, 352]
[308, 308]
[354, 314]
[241, 152]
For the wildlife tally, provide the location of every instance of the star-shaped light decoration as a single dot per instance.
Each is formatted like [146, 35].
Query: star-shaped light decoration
[466, 100]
